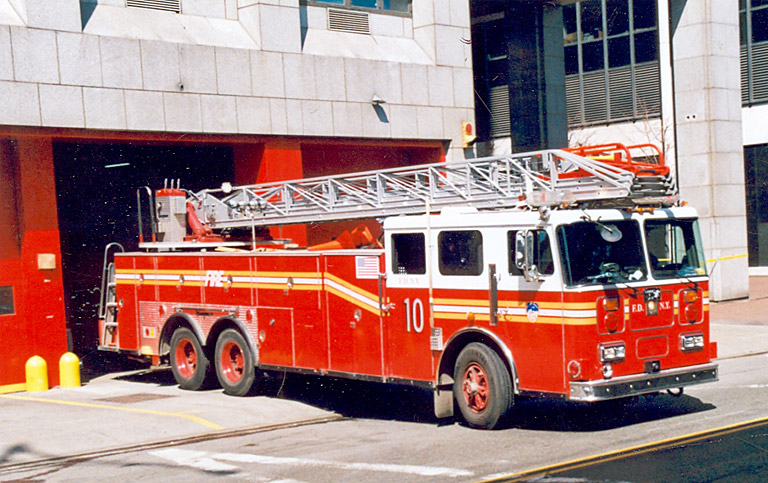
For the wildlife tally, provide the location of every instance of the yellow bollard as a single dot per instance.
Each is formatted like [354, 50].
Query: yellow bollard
[69, 370]
[37, 374]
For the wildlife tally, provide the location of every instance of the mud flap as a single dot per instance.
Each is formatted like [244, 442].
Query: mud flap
[443, 395]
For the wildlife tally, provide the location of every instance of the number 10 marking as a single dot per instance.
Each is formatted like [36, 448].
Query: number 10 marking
[414, 317]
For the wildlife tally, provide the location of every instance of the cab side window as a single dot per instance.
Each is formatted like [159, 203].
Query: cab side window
[408, 254]
[460, 252]
[542, 250]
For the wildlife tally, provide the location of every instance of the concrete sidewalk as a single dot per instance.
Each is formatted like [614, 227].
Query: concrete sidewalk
[740, 327]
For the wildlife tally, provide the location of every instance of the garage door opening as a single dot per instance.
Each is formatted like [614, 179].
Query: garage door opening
[96, 199]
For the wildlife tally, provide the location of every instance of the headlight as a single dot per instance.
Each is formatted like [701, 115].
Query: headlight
[612, 353]
[692, 342]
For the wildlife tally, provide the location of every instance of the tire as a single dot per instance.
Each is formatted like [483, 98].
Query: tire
[482, 387]
[234, 363]
[191, 367]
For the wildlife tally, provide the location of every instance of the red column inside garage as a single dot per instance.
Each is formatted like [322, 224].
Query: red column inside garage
[32, 320]
[272, 161]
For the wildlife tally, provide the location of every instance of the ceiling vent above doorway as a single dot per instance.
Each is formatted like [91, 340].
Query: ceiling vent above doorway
[346, 21]
[166, 5]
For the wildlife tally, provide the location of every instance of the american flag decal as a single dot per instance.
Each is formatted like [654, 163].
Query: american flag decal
[367, 267]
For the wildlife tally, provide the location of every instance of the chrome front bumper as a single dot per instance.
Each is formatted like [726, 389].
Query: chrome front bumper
[642, 383]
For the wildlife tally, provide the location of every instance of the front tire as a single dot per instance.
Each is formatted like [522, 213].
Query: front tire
[234, 363]
[190, 365]
[482, 386]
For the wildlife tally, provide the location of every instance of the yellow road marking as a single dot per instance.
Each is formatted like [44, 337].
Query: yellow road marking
[627, 452]
[117, 408]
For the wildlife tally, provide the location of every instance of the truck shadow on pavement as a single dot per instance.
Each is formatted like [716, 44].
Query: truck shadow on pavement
[371, 400]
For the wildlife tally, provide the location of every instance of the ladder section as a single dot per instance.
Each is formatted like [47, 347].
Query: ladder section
[108, 305]
[541, 178]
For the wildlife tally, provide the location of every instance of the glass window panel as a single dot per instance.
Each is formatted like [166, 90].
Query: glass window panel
[591, 21]
[408, 254]
[742, 4]
[743, 28]
[6, 300]
[571, 60]
[618, 52]
[760, 25]
[542, 253]
[646, 48]
[592, 56]
[759, 3]
[570, 35]
[617, 16]
[644, 14]
[396, 5]
[606, 252]
[364, 3]
[460, 252]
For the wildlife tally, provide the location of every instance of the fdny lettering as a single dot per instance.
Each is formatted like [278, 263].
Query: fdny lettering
[639, 308]
[214, 278]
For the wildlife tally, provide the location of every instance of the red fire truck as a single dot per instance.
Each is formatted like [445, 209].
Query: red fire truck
[576, 274]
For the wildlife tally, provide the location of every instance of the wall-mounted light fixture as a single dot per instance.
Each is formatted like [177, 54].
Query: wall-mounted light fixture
[376, 100]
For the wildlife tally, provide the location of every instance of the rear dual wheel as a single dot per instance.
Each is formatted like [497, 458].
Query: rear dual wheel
[482, 386]
[235, 367]
[189, 363]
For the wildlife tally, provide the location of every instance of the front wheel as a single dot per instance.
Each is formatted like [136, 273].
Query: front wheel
[189, 363]
[482, 386]
[234, 363]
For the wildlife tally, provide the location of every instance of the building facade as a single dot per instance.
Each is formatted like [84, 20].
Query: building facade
[101, 97]
[664, 72]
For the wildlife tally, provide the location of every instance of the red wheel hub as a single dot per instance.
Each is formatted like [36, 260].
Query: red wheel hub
[232, 361]
[186, 358]
[475, 387]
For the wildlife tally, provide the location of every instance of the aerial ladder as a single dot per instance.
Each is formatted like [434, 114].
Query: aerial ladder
[604, 176]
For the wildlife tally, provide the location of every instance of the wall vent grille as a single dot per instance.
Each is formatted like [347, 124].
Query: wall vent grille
[620, 88]
[648, 90]
[594, 97]
[347, 21]
[166, 5]
[499, 104]
[759, 72]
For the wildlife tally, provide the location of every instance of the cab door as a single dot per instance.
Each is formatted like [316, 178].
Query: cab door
[407, 353]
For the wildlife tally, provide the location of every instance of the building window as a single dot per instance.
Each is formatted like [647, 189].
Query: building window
[403, 6]
[753, 16]
[611, 61]
[491, 62]
[756, 184]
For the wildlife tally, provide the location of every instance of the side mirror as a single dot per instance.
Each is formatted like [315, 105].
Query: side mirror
[525, 255]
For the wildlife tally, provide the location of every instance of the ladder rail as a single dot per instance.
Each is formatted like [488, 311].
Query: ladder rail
[108, 280]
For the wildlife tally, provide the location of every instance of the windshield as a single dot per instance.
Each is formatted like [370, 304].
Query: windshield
[674, 248]
[602, 252]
